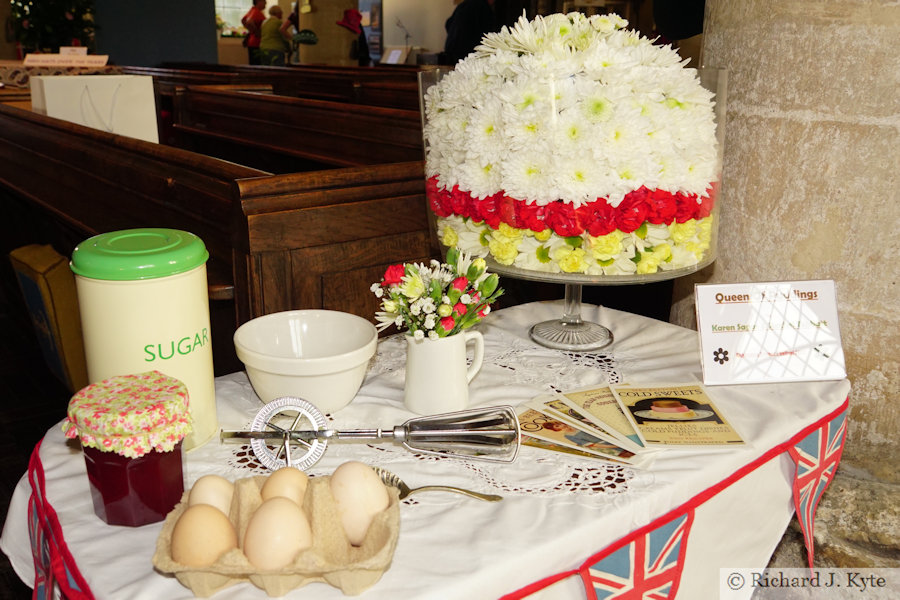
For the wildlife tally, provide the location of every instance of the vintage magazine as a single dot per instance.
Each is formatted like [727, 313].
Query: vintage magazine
[599, 405]
[680, 414]
[534, 442]
[544, 427]
[555, 406]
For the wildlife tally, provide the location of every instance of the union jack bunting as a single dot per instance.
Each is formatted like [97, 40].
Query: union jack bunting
[55, 574]
[648, 567]
[817, 457]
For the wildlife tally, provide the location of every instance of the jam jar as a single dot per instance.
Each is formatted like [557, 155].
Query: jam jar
[131, 429]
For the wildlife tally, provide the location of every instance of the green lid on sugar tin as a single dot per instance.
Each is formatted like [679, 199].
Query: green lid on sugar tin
[135, 254]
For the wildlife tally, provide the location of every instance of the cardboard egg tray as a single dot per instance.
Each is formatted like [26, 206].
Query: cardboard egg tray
[331, 558]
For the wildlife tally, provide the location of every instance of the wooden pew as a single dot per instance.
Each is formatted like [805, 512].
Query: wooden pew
[285, 134]
[390, 87]
[276, 242]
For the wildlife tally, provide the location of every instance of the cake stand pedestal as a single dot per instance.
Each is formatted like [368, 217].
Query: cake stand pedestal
[571, 332]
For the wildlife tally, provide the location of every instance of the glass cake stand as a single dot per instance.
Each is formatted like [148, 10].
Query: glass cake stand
[570, 331]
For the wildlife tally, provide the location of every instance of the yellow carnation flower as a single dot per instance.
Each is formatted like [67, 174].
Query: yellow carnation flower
[607, 246]
[705, 233]
[450, 238]
[503, 249]
[571, 260]
[543, 236]
[682, 232]
[509, 232]
[649, 264]
[663, 252]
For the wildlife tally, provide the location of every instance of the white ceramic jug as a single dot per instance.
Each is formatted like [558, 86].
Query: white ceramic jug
[437, 376]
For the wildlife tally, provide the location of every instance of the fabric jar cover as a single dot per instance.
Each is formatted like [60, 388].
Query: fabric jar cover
[130, 414]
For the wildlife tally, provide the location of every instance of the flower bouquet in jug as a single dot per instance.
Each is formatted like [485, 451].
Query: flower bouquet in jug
[438, 300]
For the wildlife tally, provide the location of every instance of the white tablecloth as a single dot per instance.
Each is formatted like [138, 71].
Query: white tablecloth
[557, 510]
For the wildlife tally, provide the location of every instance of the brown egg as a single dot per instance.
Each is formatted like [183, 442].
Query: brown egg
[359, 495]
[277, 532]
[288, 482]
[213, 490]
[201, 535]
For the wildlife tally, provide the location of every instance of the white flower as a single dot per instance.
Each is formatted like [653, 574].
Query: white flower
[418, 334]
[385, 320]
[499, 120]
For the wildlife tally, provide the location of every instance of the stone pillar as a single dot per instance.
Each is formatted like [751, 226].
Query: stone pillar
[810, 192]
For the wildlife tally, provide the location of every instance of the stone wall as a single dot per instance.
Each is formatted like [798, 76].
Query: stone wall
[810, 192]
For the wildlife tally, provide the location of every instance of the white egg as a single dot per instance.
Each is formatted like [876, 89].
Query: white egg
[288, 482]
[359, 495]
[213, 490]
[277, 532]
[201, 535]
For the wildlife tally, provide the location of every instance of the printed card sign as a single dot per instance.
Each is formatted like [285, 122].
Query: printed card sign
[769, 332]
[65, 60]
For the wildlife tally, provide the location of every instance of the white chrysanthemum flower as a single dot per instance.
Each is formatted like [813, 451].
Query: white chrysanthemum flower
[681, 258]
[535, 256]
[386, 319]
[418, 334]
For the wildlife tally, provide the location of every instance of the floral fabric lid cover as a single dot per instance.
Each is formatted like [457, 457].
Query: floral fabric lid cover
[130, 414]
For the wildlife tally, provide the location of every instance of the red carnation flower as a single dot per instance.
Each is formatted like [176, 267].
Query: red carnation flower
[631, 213]
[597, 218]
[686, 207]
[562, 219]
[662, 206]
[393, 275]
[530, 216]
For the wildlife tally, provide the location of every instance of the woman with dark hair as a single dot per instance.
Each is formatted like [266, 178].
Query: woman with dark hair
[253, 21]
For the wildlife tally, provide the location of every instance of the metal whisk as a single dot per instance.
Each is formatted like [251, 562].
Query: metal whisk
[490, 434]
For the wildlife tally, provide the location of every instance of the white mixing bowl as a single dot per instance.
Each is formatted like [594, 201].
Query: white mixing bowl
[318, 355]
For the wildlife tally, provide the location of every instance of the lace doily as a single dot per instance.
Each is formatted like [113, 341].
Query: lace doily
[535, 472]
[521, 361]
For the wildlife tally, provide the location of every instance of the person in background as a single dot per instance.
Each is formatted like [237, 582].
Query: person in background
[273, 47]
[466, 26]
[253, 21]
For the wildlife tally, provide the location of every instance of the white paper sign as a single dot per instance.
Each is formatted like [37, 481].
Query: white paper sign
[767, 332]
[66, 60]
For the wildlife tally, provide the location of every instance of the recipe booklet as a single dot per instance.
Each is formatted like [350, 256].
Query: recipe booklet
[680, 414]
[548, 429]
[555, 406]
[599, 406]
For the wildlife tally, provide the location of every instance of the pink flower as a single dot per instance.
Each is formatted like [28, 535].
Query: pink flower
[459, 309]
[460, 283]
[393, 275]
[448, 323]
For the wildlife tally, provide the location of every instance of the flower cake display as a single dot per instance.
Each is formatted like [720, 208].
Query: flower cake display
[568, 144]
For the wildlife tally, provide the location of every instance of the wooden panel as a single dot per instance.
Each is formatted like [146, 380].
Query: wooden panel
[338, 276]
[332, 133]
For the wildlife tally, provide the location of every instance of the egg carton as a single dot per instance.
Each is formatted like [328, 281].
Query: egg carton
[330, 559]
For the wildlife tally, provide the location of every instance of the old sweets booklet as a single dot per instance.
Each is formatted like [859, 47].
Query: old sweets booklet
[680, 414]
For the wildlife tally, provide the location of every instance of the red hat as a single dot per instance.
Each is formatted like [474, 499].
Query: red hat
[352, 19]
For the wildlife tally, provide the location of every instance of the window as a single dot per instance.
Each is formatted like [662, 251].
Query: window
[231, 11]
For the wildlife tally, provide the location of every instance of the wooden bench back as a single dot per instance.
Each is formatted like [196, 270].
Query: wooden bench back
[276, 242]
[285, 134]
